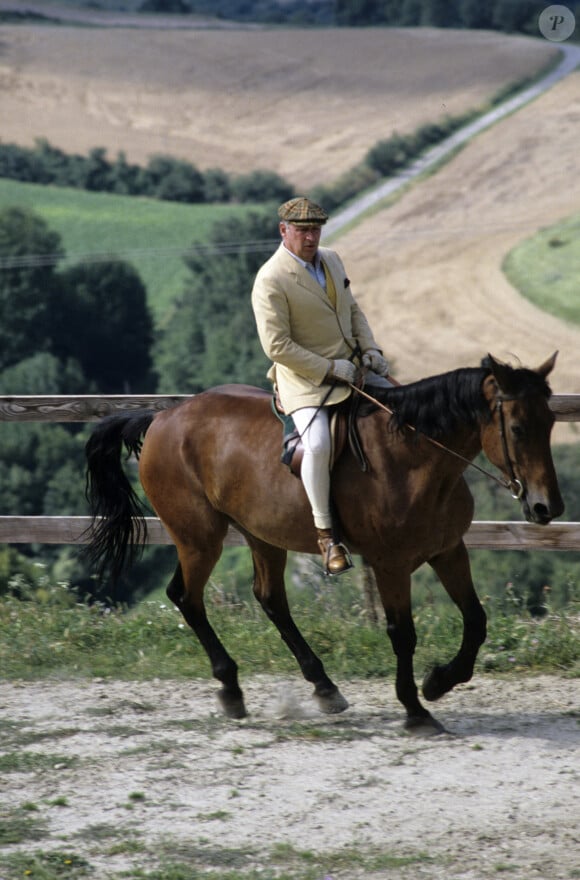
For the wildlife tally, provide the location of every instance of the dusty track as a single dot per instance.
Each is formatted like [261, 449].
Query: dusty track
[497, 795]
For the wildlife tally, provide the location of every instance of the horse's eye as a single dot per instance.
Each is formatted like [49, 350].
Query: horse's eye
[518, 432]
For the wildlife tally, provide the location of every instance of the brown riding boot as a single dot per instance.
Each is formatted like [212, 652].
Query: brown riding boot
[335, 556]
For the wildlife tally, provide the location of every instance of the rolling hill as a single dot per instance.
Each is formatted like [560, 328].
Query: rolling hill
[308, 104]
[305, 103]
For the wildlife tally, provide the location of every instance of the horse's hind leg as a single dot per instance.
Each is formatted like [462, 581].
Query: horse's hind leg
[454, 571]
[269, 564]
[186, 591]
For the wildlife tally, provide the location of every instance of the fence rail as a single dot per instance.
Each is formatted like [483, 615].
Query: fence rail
[91, 408]
[483, 534]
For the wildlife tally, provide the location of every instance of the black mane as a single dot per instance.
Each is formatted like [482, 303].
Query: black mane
[435, 406]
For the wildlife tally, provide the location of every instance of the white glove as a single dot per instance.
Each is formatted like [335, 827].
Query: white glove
[342, 371]
[373, 360]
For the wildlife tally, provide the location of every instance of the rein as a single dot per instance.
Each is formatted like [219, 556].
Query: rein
[513, 485]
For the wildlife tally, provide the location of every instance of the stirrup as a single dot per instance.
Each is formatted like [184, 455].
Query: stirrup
[342, 560]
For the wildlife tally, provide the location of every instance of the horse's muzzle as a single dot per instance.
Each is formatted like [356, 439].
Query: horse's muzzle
[541, 511]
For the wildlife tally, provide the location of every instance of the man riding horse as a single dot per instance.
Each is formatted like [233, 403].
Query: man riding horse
[317, 336]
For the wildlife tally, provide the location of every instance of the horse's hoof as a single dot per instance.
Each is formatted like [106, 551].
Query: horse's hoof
[434, 684]
[232, 706]
[424, 725]
[332, 702]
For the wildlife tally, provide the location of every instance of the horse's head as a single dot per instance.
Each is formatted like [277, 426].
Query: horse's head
[517, 437]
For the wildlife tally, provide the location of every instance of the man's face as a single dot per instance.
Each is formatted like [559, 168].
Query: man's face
[302, 241]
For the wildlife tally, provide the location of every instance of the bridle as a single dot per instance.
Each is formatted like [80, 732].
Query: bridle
[513, 485]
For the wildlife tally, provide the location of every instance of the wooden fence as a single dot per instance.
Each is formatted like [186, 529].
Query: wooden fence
[91, 408]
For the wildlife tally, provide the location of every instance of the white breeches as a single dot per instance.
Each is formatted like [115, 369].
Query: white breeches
[313, 426]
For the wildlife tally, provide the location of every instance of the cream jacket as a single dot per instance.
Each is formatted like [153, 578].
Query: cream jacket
[300, 330]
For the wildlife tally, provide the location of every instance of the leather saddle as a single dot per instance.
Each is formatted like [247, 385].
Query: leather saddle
[343, 430]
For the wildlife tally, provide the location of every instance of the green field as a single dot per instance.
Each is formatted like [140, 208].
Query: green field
[545, 269]
[151, 235]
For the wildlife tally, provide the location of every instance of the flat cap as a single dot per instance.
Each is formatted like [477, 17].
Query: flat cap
[302, 211]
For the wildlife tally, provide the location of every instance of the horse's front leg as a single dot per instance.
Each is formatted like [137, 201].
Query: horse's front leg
[395, 592]
[454, 571]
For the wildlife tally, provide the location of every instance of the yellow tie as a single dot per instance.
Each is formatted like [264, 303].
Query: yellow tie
[330, 288]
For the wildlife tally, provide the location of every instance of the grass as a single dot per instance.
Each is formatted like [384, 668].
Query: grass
[61, 637]
[32, 762]
[172, 860]
[150, 234]
[284, 862]
[21, 826]
[50, 865]
[545, 269]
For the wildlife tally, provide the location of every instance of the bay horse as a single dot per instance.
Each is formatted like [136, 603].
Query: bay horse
[214, 461]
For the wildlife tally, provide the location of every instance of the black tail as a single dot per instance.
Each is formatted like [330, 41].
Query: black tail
[119, 530]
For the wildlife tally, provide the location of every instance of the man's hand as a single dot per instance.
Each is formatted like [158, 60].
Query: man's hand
[373, 360]
[342, 371]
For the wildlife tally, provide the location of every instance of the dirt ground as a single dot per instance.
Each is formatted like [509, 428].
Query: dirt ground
[155, 762]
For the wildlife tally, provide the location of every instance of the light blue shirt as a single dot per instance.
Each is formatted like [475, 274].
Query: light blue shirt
[316, 269]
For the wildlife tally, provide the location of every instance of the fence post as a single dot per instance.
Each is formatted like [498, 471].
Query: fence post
[371, 600]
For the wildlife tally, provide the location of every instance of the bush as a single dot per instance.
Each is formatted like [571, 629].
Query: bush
[164, 177]
[261, 186]
[181, 7]
[390, 155]
[347, 187]
[174, 180]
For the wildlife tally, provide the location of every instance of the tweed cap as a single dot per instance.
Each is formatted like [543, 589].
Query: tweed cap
[302, 212]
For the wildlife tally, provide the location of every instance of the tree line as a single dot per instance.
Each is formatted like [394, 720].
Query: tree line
[163, 177]
[295, 12]
[176, 180]
[83, 329]
[87, 329]
[509, 16]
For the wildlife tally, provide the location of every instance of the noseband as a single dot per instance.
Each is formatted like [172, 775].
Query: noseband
[515, 486]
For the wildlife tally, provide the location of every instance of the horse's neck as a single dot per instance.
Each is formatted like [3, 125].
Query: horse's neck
[458, 449]
[465, 442]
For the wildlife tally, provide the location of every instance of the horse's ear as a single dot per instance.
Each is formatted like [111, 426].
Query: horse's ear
[547, 367]
[500, 372]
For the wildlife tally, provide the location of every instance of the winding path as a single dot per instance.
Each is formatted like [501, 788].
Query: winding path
[570, 61]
